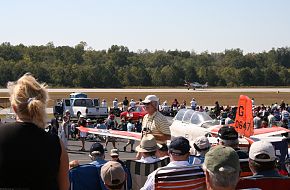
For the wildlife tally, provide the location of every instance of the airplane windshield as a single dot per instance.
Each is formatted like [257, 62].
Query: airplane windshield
[191, 116]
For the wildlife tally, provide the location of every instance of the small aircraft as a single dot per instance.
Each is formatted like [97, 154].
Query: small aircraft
[194, 85]
[192, 124]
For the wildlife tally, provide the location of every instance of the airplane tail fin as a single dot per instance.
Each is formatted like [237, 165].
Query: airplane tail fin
[244, 123]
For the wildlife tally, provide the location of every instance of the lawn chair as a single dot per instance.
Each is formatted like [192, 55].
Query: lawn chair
[139, 171]
[264, 183]
[180, 178]
[86, 177]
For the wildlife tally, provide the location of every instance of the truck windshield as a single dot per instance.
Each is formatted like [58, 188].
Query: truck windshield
[83, 102]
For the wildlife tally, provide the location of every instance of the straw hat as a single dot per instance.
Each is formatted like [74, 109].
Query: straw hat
[148, 144]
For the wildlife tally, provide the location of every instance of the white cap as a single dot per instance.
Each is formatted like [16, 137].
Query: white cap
[82, 116]
[150, 98]
[88, 120]
[66, 111]
[202, 142]
[262, 147]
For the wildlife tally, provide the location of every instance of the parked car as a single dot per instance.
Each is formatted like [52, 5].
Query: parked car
[135, 113]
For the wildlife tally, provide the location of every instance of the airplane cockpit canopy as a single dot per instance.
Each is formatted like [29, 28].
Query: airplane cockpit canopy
[194, 117]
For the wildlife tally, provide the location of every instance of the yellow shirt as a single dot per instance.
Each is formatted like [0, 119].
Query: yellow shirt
[156, 124]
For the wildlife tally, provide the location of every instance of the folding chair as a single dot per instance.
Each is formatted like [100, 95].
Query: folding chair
[267, 183]
[245, 169]
[139, 171]
[177, 178]
[86, 177]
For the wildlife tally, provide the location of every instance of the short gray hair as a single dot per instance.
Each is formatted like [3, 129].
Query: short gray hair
[230, 143]
[217, 179]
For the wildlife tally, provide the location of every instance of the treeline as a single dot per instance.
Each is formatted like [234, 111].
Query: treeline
[78, 66]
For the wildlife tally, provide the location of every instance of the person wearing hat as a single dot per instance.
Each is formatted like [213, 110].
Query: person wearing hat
[228, 136]
[132, 103]
[201, 146]
[222, 168]
[113, 175]
[179, 150]
[262, 160]
[147, 148]
[97, 154]
[154, 122]
[83, 135]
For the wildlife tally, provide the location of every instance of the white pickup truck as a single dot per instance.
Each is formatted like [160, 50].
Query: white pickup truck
[79, 104]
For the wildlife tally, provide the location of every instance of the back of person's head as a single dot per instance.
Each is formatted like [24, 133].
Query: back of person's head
[222, 167]
[179, 148]
[97, 151]
[113, 175]
[28, 99]
[201, 146]
[228, 136]
[262, 156]
[148, 145]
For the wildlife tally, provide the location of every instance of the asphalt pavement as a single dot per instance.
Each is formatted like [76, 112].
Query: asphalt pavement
[83, 156]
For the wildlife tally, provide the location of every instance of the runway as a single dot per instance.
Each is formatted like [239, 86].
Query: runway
[59, 90]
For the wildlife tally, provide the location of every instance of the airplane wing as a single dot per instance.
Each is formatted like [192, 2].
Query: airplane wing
[267, 132]
[112, 133]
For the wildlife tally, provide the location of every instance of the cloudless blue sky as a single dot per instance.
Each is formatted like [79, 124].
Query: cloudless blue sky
[204, 25]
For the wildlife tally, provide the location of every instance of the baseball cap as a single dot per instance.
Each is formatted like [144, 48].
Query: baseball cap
[228, 133]
[222, 159]
[262, 147]
[148, 144]
[201, 143]
[97, 148]
[82, 116]
[114, 152]
[150, 98]
[179, 146]
[113, 174]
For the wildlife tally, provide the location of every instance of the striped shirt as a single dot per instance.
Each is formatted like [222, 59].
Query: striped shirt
[156, 124]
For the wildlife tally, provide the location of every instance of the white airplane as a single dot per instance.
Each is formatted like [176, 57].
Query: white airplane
[192, 124]
[194, 85]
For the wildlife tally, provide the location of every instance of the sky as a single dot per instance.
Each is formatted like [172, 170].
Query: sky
[186, 25]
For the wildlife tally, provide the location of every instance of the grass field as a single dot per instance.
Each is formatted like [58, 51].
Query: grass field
[208, 99]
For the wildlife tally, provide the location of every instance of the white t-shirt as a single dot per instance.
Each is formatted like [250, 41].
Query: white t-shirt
[193, 103]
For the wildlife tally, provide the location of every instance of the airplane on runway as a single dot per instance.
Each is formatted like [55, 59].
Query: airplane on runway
[194, 85]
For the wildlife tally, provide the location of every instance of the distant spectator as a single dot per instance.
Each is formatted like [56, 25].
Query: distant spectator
[132, 103]
[130, 128]
[113, 175]
[193, 104]
[115, 103]
[104, 103]
[257, 121]
[229, 119]
[125, 104]
[222, 168]
[271, 119]
[83, 135]
[54, 125]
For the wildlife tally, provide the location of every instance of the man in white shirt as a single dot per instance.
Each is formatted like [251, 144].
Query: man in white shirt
[193, 104]
[132, 103]
[115, 103]
[179, 152]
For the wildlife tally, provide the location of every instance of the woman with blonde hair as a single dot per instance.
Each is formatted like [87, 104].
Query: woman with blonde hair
[31, 158]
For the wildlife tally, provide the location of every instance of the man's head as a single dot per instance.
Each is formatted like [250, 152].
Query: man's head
[151, 104]
[228, 136]
[262, 156]
[114, 154]
[113, 175]
[97, 151]
[148, 145]
[179, 149]
[163, 151]
[201, 145]
[222, 167]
